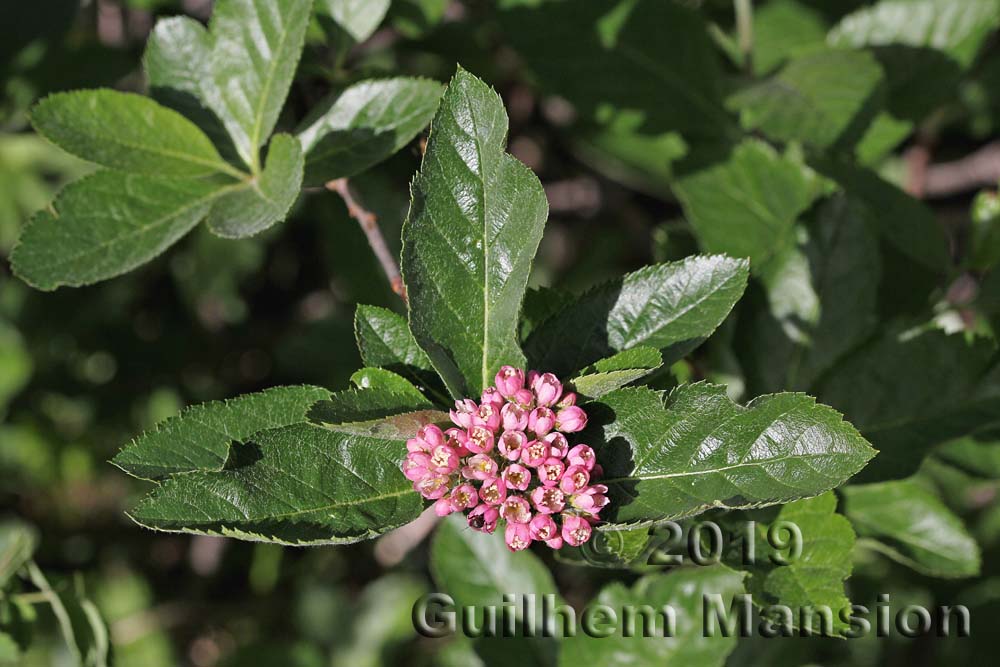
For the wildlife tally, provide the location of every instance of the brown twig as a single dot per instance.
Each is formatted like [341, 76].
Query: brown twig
[369, 225]
[972, 172]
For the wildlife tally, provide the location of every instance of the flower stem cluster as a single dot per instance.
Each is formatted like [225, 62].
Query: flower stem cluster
[507, 457]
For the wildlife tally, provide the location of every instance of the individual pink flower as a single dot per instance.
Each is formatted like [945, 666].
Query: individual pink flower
[575, 530]
[548, 499]
[480, 467]
[541, 421]
[558, 445]
[480, 440]
[487, 416]
[511, 444]
[571, 419]
[444, 506]
[517, 536]
[516, 510]
[491, 396]
[568, 399]
[534, 453]
[543, 527]
[547, 388]
[509, 381]
[581, 455]
[493, 491]
[484, 518]
[416, 466]
[551, 471]
[456, 438]
[516, 477]
[432, 487]
[574, 479]
[464, 496]
[513, 418]
[524, 399]
[590, 499]
[463, 412]
[444, 460]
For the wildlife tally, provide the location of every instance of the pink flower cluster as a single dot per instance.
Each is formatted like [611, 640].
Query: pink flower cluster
[508, 457]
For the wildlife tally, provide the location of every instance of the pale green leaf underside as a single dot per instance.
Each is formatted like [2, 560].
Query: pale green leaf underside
[200, 437]
[672, 307]
[698, 450]
[912, 526]
[362, 125]
[475, 220]
[127, 132]
[685, 591]
[108, 223]
[296, 485]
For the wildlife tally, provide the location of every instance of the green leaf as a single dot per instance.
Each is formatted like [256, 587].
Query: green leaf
[747, 205]
[79, 620]
[903, 221]
[200, 437]
[698, 450]
[475, 221]
[816, 577]
[106, 224]
[295, 485]
[358, 18]
[785, 29]
[385, 341]
[380, 393]
[127, 132]
[18, 541]
[913, 527]
[686, 592]
[617, 371]
[264, 200]
[15, 364]
[814, 99]
[477, 569]
[974, 456]
[10, 652]
[353, 129]
[672, 307]
[908, 391]
[957, 28]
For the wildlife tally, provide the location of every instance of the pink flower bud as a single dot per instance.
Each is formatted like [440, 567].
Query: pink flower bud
[487, 416]
[575, 530]
[516, 510]
[493, 491]
[542, 527]
[456, 440]
[551, 471]
[509, 380]
[444, 460]
[524, 399]
[547, 388]
[416, 466]
[590, 499]
[541, 421]
[555, 542]
[535, 453]
[513, 418]
[511, 443]
[548, 500]
[462, 414]
[479, 467]
[480, 440]
[571, 419]
[484, 518]
[574, 479]
[443, 507]
[464, 496]
[517, 536]
[432, 487]
[568, 399]
[432, 435]
[558, 445]
[581, 455]
[491, 396]
[516, 477]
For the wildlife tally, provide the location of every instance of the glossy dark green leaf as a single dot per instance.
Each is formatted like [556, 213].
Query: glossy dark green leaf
[362, 125]
[617, 371]
[672, 307]
[108, 223]
[200, 437]
[695, 450]
[18, 541]
[912, 526]
[814, 99]
[264, 200]
[717, 201]
[128, 132]
[686, 592]
[379, 393]
[385, 341]
[475, 221]
[296, 485]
